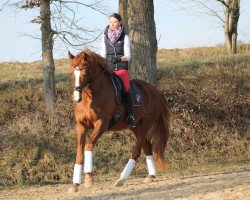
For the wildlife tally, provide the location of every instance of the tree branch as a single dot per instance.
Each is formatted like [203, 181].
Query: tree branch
[31, 4]
[211, 10]
[66, 23]
[4, 4]
[64, 37]
[92, 6]
[223, 2]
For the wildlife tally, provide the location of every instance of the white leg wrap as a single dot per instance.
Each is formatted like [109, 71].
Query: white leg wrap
[88, 165]
[77, 176]
[128, 169]
[151, 165]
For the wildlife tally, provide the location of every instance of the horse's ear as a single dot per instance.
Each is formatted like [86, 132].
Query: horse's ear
[71, 57]
[86, 56]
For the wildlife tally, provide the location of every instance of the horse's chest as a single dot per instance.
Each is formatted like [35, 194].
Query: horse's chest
[85, 115]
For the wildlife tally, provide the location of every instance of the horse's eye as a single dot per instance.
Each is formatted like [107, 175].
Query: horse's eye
[84, 65]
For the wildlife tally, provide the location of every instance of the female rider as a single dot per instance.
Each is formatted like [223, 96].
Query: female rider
[115, 48]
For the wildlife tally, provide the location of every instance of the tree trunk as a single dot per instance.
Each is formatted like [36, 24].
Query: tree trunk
[138, 17]
[123, 4]
[232, 13]
[226, 29]
[236, 15]
[47, 56]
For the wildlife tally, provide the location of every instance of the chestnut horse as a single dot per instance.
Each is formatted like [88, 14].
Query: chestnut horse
[95, 106]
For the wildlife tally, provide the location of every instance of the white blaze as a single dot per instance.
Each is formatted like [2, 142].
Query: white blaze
[76, 93]
[77, 77]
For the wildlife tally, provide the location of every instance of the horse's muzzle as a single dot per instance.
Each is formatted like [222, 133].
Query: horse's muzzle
[77, 96]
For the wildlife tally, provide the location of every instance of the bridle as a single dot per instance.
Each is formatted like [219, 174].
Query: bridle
[86, 83]
[88, 80]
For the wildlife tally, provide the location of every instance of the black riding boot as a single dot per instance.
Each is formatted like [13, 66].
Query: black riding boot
[129, 103]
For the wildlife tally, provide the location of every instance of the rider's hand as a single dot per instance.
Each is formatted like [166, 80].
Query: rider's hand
[116, 59]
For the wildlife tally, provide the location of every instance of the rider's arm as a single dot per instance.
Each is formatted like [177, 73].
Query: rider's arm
[127, 50]
[103, 48]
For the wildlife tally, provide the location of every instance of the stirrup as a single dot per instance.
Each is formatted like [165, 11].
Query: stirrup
[131, 121]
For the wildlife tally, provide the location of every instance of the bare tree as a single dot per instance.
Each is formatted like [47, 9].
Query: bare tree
[138, 16]
[232, 14]
[47, 55]
[226, 11]
[58, 20]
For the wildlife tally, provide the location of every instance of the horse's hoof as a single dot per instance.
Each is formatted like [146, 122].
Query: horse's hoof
[149, 179]
[119, 182]
[88, 183]
[74, 188]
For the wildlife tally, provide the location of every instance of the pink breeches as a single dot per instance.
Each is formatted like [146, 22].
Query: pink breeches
[124, 76]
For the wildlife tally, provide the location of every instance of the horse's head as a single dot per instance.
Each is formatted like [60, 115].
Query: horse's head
[86, 67]
[80, 73]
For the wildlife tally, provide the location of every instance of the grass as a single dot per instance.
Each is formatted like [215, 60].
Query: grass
[207, 91]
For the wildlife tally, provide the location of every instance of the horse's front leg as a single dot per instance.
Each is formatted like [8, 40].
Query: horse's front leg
[99, 129]
[81, 132]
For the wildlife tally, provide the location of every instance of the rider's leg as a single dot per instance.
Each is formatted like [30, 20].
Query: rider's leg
[123, 74]
[130, 107]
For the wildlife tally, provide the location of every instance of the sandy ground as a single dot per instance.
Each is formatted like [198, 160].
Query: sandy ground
[230, 185]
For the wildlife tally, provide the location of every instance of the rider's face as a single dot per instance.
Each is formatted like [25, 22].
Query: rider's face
[114, 23]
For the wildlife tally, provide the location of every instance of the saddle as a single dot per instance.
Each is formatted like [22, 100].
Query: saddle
[120, 99]
[119, 91]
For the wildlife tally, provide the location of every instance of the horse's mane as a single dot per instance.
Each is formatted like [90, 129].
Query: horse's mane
[97, 58]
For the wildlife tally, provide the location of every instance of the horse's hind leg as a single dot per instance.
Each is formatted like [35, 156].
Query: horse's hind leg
[147, 148]
[136, 152]
[147, 128]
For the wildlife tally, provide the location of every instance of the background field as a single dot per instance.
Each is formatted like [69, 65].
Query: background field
[207, 91]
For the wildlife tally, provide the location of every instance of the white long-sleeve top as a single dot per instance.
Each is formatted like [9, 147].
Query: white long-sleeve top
[127, 49]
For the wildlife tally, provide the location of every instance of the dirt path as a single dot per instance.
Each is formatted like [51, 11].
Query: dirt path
[231, 185]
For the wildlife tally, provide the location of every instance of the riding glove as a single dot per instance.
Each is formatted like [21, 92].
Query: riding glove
[116, 59]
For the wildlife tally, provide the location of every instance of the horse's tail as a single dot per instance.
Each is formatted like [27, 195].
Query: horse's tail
[159, 136]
